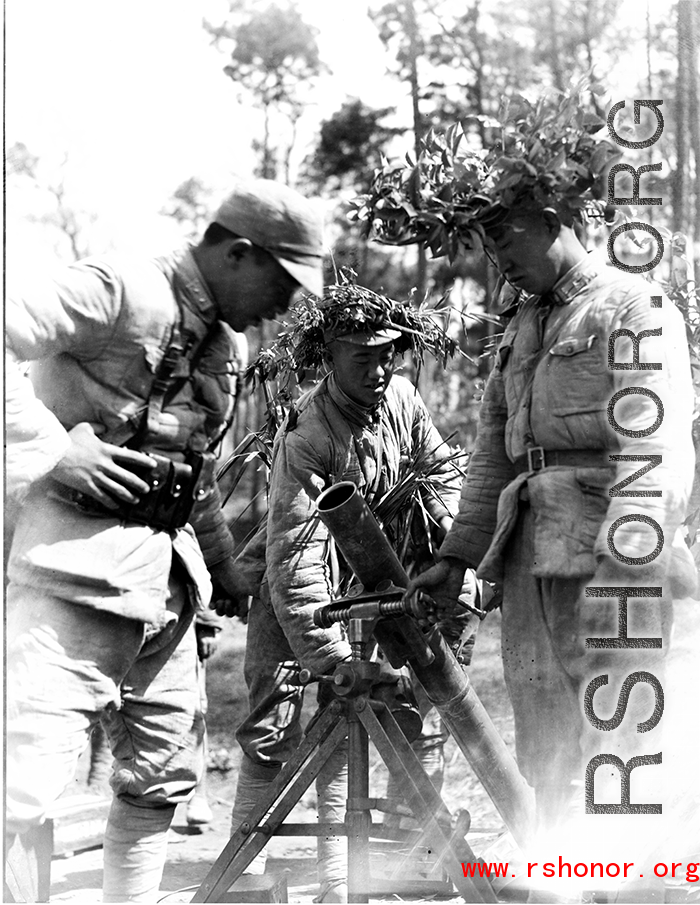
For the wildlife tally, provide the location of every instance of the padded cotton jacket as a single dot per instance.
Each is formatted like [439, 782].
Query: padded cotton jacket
[327, 438]
[553, 387]
[94, 338]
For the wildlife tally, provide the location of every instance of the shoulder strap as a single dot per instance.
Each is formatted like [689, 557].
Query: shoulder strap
[179, 359]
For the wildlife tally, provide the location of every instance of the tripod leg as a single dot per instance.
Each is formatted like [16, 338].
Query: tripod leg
[426, 803]
[252, 836]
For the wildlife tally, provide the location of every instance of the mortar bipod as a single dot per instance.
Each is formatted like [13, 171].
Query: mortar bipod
[355, 715]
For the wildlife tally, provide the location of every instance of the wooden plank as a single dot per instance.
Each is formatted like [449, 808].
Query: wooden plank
[251, 888]
[79, 823]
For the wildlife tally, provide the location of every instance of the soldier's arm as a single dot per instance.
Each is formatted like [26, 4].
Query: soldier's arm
[73, 315]
[297, 553]
[488, 472]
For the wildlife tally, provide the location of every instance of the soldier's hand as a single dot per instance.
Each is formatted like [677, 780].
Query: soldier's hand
[442, 582]
[207, 640]
[101, 470]
[231, 594]
[231, 607]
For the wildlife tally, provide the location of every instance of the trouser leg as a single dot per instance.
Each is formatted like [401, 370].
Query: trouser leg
[199, 812]
[100, 760]
[547, 667]
[429, 748]
[332, 793]
[135, 848]
[254, 782]
[543, 694]
[64, 664]
[271, 732]
[27, 859]
[63, 668]
[156, 739]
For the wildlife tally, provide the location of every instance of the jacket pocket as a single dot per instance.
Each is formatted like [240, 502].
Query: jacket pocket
[569, 505]
[573, 345]
[576, 376]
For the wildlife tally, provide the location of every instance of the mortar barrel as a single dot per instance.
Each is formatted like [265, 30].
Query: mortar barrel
[369, 554]
[356, 531]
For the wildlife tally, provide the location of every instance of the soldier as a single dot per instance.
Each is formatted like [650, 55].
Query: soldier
[360, 423]
[571, 415]
[110, 453]
[537, 511]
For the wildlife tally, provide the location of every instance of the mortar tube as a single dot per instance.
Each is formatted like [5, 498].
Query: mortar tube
[368, 553]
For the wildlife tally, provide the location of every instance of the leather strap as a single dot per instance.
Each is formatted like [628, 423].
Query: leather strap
[538, 458]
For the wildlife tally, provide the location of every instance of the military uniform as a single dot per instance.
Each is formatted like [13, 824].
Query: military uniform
[326, 438]
[100, 605]
[535, 511]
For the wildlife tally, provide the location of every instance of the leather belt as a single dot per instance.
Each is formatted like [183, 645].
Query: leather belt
[538, 458]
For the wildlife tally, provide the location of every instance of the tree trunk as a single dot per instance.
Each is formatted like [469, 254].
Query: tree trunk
[268, 168]
[478, 44]
[679, 184]
[554, 46]
[589, 13]
[411, 32]
[694, 92]
[293, 119]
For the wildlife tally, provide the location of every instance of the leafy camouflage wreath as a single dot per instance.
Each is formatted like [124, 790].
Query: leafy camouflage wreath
[347, 307]
[545, 155]
[299, 351]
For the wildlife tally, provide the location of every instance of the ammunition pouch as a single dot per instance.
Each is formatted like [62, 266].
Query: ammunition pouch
[175, 487]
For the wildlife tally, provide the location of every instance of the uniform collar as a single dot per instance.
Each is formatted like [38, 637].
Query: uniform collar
[574, 280]
[564, 290]
[189, 280]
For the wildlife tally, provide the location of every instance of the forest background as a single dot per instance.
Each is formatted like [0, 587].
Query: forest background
[125, 124]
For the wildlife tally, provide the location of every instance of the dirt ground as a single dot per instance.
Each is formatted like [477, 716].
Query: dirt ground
[78, 878]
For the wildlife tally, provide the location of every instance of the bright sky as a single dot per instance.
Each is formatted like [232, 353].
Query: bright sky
[133, 92]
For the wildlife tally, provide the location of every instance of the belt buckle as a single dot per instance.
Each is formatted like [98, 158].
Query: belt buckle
[535, 458]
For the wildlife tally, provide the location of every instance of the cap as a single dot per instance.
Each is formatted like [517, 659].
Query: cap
[280, 220]
[378, 337]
